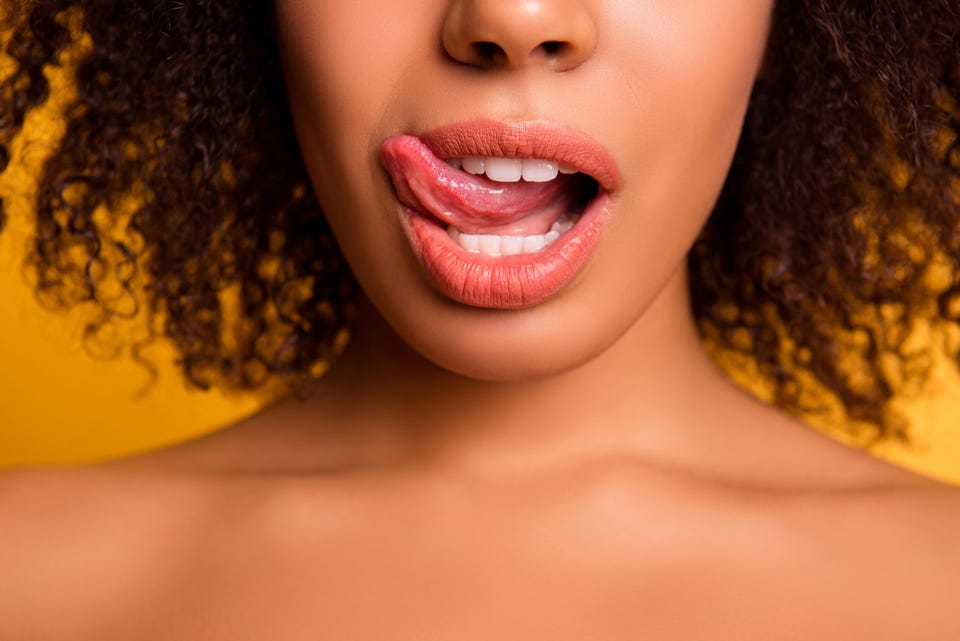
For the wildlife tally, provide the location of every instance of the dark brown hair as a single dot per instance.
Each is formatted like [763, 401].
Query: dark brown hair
[842, 194]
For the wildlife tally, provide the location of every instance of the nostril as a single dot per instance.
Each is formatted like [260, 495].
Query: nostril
[552, 47]
[488, 53]
[552, 52]
[491, 54]
[558, 35]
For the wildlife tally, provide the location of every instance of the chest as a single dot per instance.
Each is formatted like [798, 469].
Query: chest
[412, 584]
[609, 564]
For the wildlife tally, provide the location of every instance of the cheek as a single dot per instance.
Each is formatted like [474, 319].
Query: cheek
[687, 70]
[700, 75]
[331, 62]
[344, 63]
[691, 67]
[339, 82]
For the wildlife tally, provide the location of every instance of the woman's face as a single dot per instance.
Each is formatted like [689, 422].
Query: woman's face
[417, 117]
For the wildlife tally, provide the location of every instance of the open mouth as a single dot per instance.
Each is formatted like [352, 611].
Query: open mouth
[501, 215]
[546, 201]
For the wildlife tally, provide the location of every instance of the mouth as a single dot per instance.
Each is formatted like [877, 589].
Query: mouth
[501, 215]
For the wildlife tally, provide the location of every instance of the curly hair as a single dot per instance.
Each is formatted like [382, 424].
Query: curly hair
[842, 194]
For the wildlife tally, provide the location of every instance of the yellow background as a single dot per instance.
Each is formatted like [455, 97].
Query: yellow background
[60, 405]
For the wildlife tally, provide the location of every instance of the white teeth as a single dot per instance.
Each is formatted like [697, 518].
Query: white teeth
[563, 225]
[473, 165]
[470, 242]
[504, 170]
[496, 245]
[539, 171]
[533, 243]
[490, 244]
[510, 170]
[511, 245]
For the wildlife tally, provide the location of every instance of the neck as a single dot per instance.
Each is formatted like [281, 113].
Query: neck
[655, 392]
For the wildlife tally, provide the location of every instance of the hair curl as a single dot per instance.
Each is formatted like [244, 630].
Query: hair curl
[843, 192]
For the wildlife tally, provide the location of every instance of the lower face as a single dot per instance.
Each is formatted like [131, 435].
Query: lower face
[414, 137]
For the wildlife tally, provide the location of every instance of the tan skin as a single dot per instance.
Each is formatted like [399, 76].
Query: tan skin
[577, 469]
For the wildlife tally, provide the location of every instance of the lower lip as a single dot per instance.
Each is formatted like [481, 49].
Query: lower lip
[504, 282]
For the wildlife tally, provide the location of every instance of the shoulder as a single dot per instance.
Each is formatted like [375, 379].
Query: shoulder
[92, 553]
[892, 555]
[917, 521]
[83, 544]
[879, 559]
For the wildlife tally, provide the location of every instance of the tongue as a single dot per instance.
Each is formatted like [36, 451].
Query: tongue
[472, 204]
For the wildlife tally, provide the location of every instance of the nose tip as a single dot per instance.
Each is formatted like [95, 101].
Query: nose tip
[514, 34]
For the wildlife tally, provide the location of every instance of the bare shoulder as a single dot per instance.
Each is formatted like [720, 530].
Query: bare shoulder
[892, 552]
[924, 513]
[79, 545]
[92, 497]
[127, 551]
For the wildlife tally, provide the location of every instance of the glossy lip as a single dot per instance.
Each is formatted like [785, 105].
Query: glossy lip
[512, 282]
[526, 139]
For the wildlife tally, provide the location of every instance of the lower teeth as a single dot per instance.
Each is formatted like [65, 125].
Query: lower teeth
[496, 245]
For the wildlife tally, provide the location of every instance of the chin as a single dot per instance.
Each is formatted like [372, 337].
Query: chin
[505, 346]
[527, 364]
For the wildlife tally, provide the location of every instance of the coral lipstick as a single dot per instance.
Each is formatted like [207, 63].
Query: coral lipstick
[500, 243]
[526, 139]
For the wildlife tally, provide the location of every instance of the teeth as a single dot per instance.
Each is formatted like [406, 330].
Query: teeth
[533, 243]
[474, 165]
[470, 242]
[495, 245]
[490, 244]
[510, 170]
[539, 171]
[563, 225]
[504, 170]
[511, 245]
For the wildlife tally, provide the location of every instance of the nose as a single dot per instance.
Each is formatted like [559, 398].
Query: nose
[515, 34]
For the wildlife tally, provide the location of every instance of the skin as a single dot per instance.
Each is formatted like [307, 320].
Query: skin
[576, 469]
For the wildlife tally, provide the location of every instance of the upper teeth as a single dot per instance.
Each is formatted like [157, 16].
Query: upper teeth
[510, 170]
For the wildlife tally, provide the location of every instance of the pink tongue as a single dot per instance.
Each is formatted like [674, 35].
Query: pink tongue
[472, 204]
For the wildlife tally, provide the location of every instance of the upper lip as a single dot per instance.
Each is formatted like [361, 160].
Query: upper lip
[526, 139]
